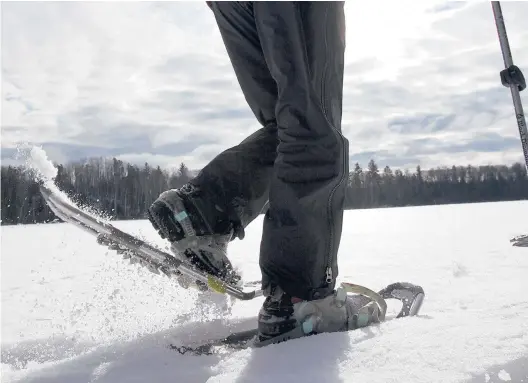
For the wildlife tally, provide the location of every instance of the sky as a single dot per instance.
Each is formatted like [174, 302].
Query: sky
[152, 82]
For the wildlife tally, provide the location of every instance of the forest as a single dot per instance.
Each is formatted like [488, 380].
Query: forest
[121, 190]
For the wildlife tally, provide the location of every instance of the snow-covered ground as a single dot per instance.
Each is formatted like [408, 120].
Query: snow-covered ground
[73, 311]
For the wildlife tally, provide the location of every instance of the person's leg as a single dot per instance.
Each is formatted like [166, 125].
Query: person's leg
[231, 190]
[304, 43]
[238, 178]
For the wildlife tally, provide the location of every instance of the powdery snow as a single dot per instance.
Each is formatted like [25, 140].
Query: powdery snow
[38, 159]
[73, 311]
[503, 375]
[42, 169]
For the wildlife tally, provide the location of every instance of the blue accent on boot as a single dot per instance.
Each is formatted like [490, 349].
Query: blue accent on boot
[307, 326]
[181, 216]
[363, 319]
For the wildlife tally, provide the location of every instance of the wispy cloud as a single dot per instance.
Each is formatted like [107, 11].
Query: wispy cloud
[152, 82]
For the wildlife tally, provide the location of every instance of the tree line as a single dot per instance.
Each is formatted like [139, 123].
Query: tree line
[125, 191]
[442, 185]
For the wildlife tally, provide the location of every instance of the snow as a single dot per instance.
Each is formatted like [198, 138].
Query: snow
[38, 159]
[503, 375]
[73, 311]
[44, 171]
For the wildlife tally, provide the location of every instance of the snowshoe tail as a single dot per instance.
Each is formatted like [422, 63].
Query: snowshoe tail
[139, 251]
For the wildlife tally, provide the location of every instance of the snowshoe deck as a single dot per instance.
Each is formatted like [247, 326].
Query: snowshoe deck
[411, 296]
[139, 251]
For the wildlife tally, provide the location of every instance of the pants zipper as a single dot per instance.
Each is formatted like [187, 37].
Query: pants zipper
[328, 258]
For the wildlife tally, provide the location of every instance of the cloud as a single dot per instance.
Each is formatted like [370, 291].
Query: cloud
[153, 82]
[441, 88]
[425, 123]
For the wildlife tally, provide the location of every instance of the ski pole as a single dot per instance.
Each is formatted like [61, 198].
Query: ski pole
[511, 77]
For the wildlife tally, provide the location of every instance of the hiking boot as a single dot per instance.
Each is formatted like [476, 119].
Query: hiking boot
[283, 317]
[198, 233]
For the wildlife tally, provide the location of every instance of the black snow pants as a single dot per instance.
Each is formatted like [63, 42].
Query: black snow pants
[288, 58]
